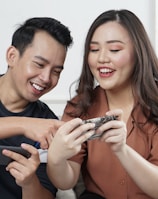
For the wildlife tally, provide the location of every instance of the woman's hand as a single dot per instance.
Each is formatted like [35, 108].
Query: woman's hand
[69, 137]
[114, 132]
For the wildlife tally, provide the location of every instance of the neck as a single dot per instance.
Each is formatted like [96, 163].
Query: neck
[9, 97]
[121, 100]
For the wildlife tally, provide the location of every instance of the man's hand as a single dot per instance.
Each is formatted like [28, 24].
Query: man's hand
[41, 130]
[21, 168]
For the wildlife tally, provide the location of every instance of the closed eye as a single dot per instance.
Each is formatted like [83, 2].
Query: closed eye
[41, 65]
[57, 70]
[116, 50]
[94, 50]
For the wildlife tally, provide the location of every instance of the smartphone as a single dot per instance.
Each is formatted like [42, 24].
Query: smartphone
[4, 160]
[98, 122]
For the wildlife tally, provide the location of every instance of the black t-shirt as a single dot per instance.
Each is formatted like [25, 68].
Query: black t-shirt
[8, 187]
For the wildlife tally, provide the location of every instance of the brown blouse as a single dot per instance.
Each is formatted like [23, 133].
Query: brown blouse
[103, 173]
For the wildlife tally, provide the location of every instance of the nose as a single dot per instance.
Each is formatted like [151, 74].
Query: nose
[45, 75]
[103, 57]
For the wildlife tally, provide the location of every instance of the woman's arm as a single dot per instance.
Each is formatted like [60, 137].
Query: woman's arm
[65, 144]
[63, 174]
[141, 171]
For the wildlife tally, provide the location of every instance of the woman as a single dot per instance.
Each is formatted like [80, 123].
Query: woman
[123, 163]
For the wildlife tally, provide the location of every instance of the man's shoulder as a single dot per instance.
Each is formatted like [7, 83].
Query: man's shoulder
[43, 110]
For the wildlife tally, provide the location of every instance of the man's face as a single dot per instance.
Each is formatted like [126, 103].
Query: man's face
[37, 71]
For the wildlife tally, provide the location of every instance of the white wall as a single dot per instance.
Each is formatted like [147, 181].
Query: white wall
[77, 15]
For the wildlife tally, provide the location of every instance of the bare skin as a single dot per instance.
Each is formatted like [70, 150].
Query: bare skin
[37, 129]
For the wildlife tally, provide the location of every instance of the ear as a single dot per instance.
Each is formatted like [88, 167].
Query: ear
[12, 55]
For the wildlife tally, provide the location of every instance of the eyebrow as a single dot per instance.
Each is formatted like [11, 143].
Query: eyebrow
[108, 42]
[45, 60]
[42, 58]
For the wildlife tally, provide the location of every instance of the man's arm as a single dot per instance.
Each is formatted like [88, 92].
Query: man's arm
[36, 190]
[37, 129]
[24, 172]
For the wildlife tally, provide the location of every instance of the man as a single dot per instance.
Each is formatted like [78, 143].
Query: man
[35, 60]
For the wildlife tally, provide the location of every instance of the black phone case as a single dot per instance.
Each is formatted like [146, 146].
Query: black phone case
[4, 160]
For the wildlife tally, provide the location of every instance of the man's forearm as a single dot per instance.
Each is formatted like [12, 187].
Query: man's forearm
[36, 190]
[11, 126]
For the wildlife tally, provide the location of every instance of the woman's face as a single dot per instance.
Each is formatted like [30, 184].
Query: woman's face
[111, 56]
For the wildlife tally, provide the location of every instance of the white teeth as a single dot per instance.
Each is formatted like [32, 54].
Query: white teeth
[37, 87]
[105, 70]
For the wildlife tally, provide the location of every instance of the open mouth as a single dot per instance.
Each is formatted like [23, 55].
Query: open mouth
[105, 70]
[37, 87]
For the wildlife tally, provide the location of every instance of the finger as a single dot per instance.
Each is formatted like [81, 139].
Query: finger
[14, 165]
[116, 112]
[14, 172]
[83, 131]
[13, 155]
[110, 133]
[49, 141]
[115, 139]
[70, 125]
[44, 144]
[111, 125]
[31, 149]
[34, 159]
[84, 137]
[41, 142]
